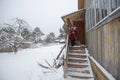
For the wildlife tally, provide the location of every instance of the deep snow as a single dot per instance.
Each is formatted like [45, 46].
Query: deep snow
[24, 65]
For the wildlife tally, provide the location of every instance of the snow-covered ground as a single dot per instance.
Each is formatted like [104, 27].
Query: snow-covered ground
[24, 65]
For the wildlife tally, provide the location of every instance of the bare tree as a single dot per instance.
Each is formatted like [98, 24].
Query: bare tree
[50, 38]
[20, 25]
[37, 34]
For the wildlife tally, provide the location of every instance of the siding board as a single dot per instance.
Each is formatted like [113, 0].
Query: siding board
[104, 45]
[118, 54]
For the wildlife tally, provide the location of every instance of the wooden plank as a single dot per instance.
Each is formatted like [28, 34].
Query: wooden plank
[103, 49]
[65, 68]
[94, 48]
[96, 43]
[112, 47]
[117, 49]
[99, 45]
[106, 45]
[118, 53]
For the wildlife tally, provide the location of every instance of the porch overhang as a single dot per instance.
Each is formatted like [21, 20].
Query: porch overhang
[77, 15]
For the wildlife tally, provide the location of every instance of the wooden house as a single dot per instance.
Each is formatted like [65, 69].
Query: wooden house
[98, 27]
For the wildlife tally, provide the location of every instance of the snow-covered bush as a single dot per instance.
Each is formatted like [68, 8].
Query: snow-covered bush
[18, 35]
[50, 38]
[37, 33]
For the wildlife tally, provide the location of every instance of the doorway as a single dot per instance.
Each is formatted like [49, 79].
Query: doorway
[80, 30]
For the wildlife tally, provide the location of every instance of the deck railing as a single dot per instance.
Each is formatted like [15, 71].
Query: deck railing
[64, 52]
[66, 47]
[65, 55]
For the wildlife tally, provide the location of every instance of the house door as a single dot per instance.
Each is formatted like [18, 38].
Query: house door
[80, 30]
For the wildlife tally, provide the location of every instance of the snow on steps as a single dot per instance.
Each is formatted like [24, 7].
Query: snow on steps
[105, 72]
[78, 65]
[84, 63]
[79, 69]
[71, 78]
[77, 58]
[77, 61]
[80, 74]
[77, 51]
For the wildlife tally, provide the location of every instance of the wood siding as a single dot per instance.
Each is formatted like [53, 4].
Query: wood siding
[80, 4]
[104, 45]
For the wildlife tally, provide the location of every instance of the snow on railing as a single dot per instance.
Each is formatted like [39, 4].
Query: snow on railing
[62, 56]
[66, 47]
[65, 56]
[61, 52]
[105, 72]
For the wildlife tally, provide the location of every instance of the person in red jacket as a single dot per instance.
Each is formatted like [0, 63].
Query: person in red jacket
[73, 36]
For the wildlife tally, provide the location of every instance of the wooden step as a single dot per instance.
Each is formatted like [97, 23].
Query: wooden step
[76, 48]
[77, 51]
[77, 56]
[81, 46]
[77, 66]
[70, 53]
[77, 61]
[72, 78]
[83, 71]
[79, 69]
[80, 74]
[82, 77]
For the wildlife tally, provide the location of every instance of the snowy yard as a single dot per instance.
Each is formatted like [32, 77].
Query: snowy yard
[24, 65]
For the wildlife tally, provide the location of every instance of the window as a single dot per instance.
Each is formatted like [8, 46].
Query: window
[99, 9]
[104, 9]
[87, 20]
[113, 4]
[93, 14]
[118, 3]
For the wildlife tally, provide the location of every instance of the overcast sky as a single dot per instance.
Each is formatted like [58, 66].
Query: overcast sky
[45, 14]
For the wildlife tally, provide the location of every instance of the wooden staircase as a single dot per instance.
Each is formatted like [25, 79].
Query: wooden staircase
[78, 64]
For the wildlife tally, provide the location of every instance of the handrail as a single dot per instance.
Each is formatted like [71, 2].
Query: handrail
[66, 47]
[65, 56]
[61, 52]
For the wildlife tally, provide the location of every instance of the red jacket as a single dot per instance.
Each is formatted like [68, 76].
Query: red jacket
[73, 35]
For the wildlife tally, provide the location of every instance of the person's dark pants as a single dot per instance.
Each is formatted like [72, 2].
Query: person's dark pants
[72, 42]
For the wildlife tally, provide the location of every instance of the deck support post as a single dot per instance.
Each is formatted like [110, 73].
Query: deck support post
[65, 68]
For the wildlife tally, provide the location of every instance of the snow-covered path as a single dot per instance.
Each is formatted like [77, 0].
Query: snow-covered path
[24, 65]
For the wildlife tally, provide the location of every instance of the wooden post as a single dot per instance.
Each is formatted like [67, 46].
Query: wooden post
[65, 68]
